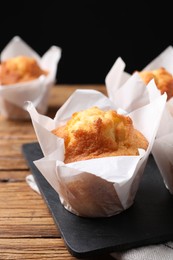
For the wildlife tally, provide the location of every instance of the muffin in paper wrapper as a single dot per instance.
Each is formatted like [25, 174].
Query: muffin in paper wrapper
[117, 80]
[12, 97]
[99, 187]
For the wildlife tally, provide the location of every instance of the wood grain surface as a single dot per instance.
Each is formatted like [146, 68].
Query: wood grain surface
[27, 229]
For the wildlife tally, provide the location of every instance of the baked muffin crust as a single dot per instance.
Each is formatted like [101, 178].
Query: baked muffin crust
[19, 69]
[94, 133]
[163, 80]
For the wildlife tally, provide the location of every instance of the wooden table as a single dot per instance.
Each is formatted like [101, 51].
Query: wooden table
[27, 229]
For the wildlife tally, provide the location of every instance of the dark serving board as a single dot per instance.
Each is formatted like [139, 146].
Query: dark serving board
[148, 221]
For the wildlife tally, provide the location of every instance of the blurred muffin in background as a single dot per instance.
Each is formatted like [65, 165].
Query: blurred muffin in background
[24, 75]
[163, 80]
[20, 69]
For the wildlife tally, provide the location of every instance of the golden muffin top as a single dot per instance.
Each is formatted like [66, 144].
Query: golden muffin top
[94, 133]
[19, 69]
[163, 80]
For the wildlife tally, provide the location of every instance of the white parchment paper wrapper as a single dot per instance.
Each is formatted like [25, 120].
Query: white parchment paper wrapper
[163, 146]
[163, 154]
[116, 82]
[102, 179]
[12, 97]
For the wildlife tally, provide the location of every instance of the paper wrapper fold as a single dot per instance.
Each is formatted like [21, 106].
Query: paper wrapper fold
[99, 187]
[163, 154]
[163, 146]
[12, 97]
[138, 95]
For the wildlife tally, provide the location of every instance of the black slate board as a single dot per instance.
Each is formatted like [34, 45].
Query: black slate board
[148, 221]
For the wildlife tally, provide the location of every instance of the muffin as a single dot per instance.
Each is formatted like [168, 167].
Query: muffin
[94, 133]
[20, 69]
[163, 80]
[25, 75]
[93, 156]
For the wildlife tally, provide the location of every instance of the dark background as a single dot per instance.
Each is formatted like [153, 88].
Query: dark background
[91, 34]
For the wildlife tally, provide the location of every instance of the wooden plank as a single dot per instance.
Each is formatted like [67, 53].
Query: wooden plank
[23, 212]
[13, 163]
[11, 156]
[39, 249]
[13, 176]
[16, 194]
[25, 227]
[34, 249]
[12, 147]
[28, 227]
[16, 130]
